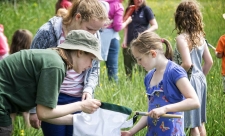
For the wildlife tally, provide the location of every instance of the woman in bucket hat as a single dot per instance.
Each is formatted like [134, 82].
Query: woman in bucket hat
[33, 78]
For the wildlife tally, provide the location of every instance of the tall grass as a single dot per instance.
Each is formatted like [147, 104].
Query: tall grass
[25, 14]
[131, 93]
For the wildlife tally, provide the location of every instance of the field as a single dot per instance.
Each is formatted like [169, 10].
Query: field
[31, 14]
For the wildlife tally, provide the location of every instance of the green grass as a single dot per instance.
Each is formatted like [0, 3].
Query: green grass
[33, 13]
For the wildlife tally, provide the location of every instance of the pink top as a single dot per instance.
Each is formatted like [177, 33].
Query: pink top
[116, 14]
[4, 47]
[73, 83]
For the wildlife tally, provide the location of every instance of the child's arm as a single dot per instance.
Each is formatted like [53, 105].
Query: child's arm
[89, 106]
[64, 120]
[127, 22]
[140, 125]
[219, 55]
[208, 61]
[154, 25]
[183, 49]
[191, 101]
[220, 47]
[124, 44]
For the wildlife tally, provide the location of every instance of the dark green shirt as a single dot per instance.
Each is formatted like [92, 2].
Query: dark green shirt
[27, 78]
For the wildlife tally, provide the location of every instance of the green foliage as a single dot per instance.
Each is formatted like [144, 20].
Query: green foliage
[25, 14]
[21, 130]
[131, 93]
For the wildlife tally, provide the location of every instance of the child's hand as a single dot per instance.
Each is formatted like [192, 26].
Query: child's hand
[129, 20]
[34, 121]
[86, 96]
[124, 45]
[157, 112]
[125, 133]
[90, 105]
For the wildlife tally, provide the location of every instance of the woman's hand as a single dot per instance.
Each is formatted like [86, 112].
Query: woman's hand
[90, 105]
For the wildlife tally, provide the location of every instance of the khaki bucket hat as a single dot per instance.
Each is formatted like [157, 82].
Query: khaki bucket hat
[84, 41]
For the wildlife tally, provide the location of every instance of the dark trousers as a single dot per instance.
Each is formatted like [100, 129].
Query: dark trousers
[6, 131]
[128, 61]
[60, 130]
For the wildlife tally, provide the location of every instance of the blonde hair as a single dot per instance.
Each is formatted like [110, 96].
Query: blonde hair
[88, 9]
[150, 40]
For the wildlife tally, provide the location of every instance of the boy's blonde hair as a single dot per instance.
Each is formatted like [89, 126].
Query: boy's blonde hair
[88, 9]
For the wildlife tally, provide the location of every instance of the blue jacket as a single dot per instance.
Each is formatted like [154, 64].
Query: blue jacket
[48, 35]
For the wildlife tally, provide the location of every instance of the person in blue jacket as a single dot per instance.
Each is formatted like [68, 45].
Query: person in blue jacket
[87, 15]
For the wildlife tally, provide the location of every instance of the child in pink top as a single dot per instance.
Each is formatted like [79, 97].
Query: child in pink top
[116, 14]
[110, 37]
[4, 47]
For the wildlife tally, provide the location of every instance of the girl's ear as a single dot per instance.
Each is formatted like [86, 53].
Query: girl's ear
[78, 16]
[153, 52]
[79, 53]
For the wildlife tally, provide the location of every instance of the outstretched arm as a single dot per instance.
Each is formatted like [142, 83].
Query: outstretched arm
[64, 120]
[140, 125]
[54, 115]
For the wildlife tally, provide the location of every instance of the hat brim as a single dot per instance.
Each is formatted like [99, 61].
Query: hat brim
[69, 46]
[223, 16]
